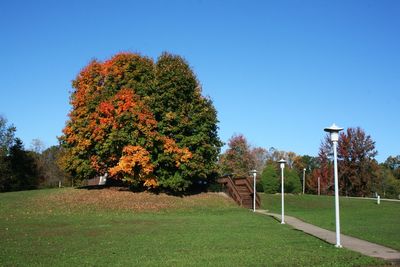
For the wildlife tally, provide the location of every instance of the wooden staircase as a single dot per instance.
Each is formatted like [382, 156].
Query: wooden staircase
[241, 190]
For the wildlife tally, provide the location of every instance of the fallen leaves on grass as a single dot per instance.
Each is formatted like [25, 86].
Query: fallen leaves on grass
[115, 199]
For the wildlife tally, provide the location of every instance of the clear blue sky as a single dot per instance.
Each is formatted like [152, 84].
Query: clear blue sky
[277, 71]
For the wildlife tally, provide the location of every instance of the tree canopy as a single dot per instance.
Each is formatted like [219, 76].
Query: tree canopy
[238, 159]
[142, 122]
[358, 169]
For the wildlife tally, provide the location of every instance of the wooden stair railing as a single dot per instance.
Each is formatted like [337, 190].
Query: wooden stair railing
[231, 189]
[248, 182]
[241, 190]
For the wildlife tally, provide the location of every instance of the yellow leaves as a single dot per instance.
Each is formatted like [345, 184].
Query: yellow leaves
[83, 144]
[181, 155]
[186, 155]
[150, 183]
[135, 162]
[170, 115]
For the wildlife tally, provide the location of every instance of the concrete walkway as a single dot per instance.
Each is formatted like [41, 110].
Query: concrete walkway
[351, 243]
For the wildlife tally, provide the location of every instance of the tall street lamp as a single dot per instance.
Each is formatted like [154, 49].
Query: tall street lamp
[282, 165]
[304, 179]
[334, 134]
[254, 172]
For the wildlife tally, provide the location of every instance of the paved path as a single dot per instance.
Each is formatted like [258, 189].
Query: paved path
[355, 244]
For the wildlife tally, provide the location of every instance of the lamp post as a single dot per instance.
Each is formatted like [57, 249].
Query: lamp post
[254, 172]
[319, 186]
[282, 165]
[304, 179]
[334, 135]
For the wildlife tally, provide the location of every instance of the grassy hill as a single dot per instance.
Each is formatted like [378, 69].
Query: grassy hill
[77, 227]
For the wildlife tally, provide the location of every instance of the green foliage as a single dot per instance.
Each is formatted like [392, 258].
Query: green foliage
[23, 168]
[270, 179]
[22, 173]
[259, 186]
[387, 185]
[392, 188]
[182, 112]
[292, 181]
[18, 170]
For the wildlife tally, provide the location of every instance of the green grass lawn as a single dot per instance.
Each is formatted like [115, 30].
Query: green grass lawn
[358, 217]
[71, 227]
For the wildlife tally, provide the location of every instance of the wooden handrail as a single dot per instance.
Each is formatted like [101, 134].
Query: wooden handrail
[233, 191]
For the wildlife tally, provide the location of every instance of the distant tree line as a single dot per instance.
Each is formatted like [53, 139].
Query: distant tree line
[22, 169]
[240, 158]
[359, 172]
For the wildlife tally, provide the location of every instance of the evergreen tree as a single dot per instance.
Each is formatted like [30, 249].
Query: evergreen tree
[24, 173]
[292, 181]
[270, 179]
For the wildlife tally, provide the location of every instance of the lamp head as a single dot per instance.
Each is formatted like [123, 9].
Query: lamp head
[333, 130]
[282, 163]
[253, 172]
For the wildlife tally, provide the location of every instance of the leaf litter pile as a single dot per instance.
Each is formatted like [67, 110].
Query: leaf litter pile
[117, 199]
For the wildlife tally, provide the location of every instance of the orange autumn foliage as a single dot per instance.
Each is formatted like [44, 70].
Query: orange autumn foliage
[150, 183]
[135, 164]
[181, 155]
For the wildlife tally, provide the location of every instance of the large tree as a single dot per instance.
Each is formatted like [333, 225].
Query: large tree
[24, 173]
[358, 170]
[144, 123]
[358, 167]
[238, 159]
